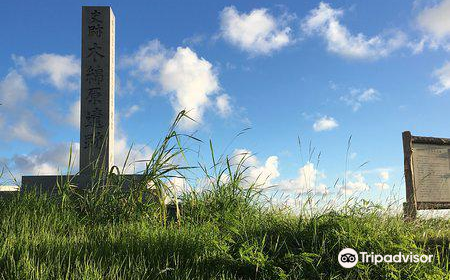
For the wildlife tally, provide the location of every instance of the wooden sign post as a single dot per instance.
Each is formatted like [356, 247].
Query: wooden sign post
[427, 173]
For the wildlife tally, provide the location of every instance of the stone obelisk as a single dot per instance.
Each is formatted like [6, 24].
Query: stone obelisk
[97, 89]
[97, 104]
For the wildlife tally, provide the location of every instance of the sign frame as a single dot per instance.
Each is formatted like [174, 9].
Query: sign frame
[411, 205]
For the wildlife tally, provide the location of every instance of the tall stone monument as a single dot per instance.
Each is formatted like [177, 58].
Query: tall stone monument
[97, 89]
[97, 102]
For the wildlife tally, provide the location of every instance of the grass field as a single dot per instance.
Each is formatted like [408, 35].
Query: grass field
[227, 231]
[221, 235]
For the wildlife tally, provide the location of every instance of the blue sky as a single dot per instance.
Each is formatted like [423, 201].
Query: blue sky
[320, 71]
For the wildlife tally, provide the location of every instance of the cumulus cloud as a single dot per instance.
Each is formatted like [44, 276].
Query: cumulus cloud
[147, 60]
[188, 80]
[256, 32]
[61, 71]
[307, 181]
[16, 118]
[223, 105]
[325, 22]
[24, 110]
[49, 161]
[192, 81]
[13, 89]
[356, 184]
[443, 76]
[260, 174]
[325, 123]
[27, 129]
[357, 97]
[435, 22]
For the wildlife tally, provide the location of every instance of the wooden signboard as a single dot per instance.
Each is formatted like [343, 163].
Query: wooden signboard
[427, 173]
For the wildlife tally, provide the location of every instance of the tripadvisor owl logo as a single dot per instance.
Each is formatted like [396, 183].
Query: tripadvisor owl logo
[348, 258]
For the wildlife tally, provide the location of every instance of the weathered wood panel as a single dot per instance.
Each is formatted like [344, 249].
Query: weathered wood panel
[431, 172]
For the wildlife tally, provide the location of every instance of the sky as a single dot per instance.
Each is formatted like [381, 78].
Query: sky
[343, 78]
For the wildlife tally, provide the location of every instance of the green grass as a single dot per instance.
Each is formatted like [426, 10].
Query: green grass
[227, 231]
[215, 239]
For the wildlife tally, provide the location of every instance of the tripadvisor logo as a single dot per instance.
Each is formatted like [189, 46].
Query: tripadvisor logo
[348, 258]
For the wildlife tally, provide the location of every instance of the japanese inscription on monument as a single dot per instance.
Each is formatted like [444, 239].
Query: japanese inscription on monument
[97, 88]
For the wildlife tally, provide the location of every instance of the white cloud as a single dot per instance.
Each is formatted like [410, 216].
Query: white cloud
[22, 110]
[73, 117]
[435, 21]
[124, 87]
[147, 60]
[17, 119]
[13, 89]
[418, 46]
[136, 159]
[260, 174]
[308, 180]
[368, 95]
[324, 21]
[384, 175]
[191, 81]
[50, 161]
[443, 76]
[188, 80]
[257, 32]
[27, 131]
[357, 97]
[54, 159]
[325, 123]
[61, 71]
[138, 153]
[194, 40]
[132, 110]
[223, 105]
[356, 184]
